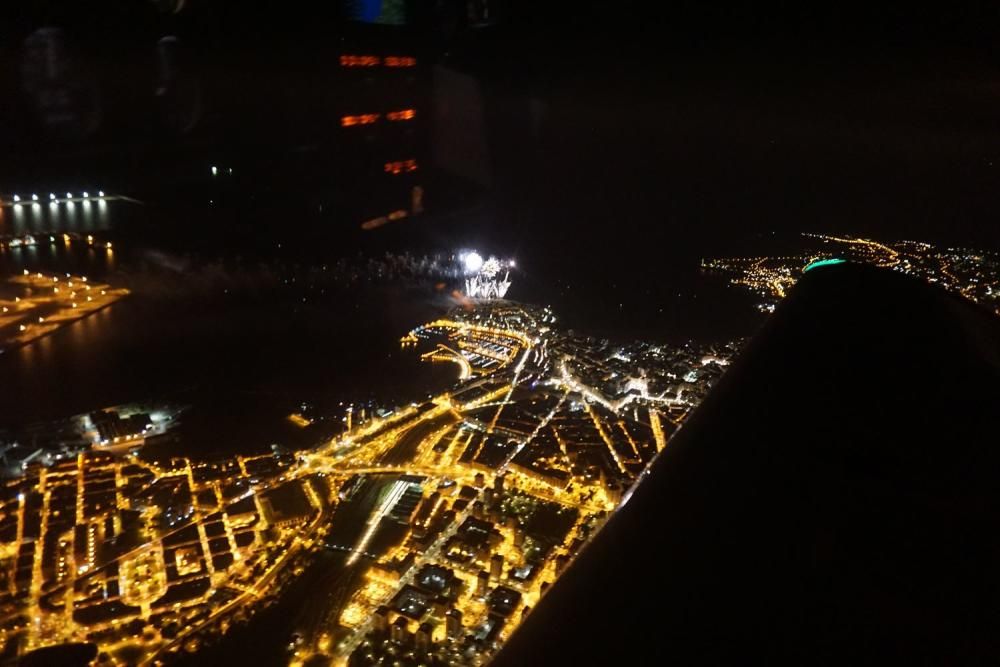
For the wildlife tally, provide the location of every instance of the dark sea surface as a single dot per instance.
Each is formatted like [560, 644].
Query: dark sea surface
[241, 343]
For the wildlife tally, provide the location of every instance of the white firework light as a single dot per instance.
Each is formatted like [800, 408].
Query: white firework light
[473, 261]
[485, 281]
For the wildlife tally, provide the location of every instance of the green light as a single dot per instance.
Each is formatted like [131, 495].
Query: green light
[824, 262]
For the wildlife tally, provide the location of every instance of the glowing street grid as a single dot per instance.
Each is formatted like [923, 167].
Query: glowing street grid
[974, 274]
[493, 486]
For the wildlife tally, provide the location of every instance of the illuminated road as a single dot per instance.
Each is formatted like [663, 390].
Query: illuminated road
[215, 541]
[405, 448]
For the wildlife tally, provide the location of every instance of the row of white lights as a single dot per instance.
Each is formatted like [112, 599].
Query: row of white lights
[52, 196]
[473, 261]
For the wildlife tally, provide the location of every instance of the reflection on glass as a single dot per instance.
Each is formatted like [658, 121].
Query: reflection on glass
[70, 215]
[27, 356]
[18, 219]
[53, 219]
[44, 345]
[88, 216]
[102, 214]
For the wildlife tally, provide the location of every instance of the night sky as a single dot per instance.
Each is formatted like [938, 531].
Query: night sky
[635, 137]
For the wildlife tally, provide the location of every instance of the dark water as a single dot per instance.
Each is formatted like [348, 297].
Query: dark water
[240, 342]
[242, 366]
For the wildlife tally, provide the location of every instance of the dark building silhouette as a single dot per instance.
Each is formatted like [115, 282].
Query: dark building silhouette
[496, 566]
[340, 117]
[453, 624]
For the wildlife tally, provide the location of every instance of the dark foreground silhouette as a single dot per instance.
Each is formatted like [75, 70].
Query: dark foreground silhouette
[833, 500]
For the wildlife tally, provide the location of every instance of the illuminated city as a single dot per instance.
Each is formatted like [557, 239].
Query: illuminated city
[485, 282]
[974, 274]
[490, 489]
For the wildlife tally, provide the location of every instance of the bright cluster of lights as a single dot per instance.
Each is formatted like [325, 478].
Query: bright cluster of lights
[473, 261]
[483, 281]
[535, 391]
[55, 199]
[479, 287]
